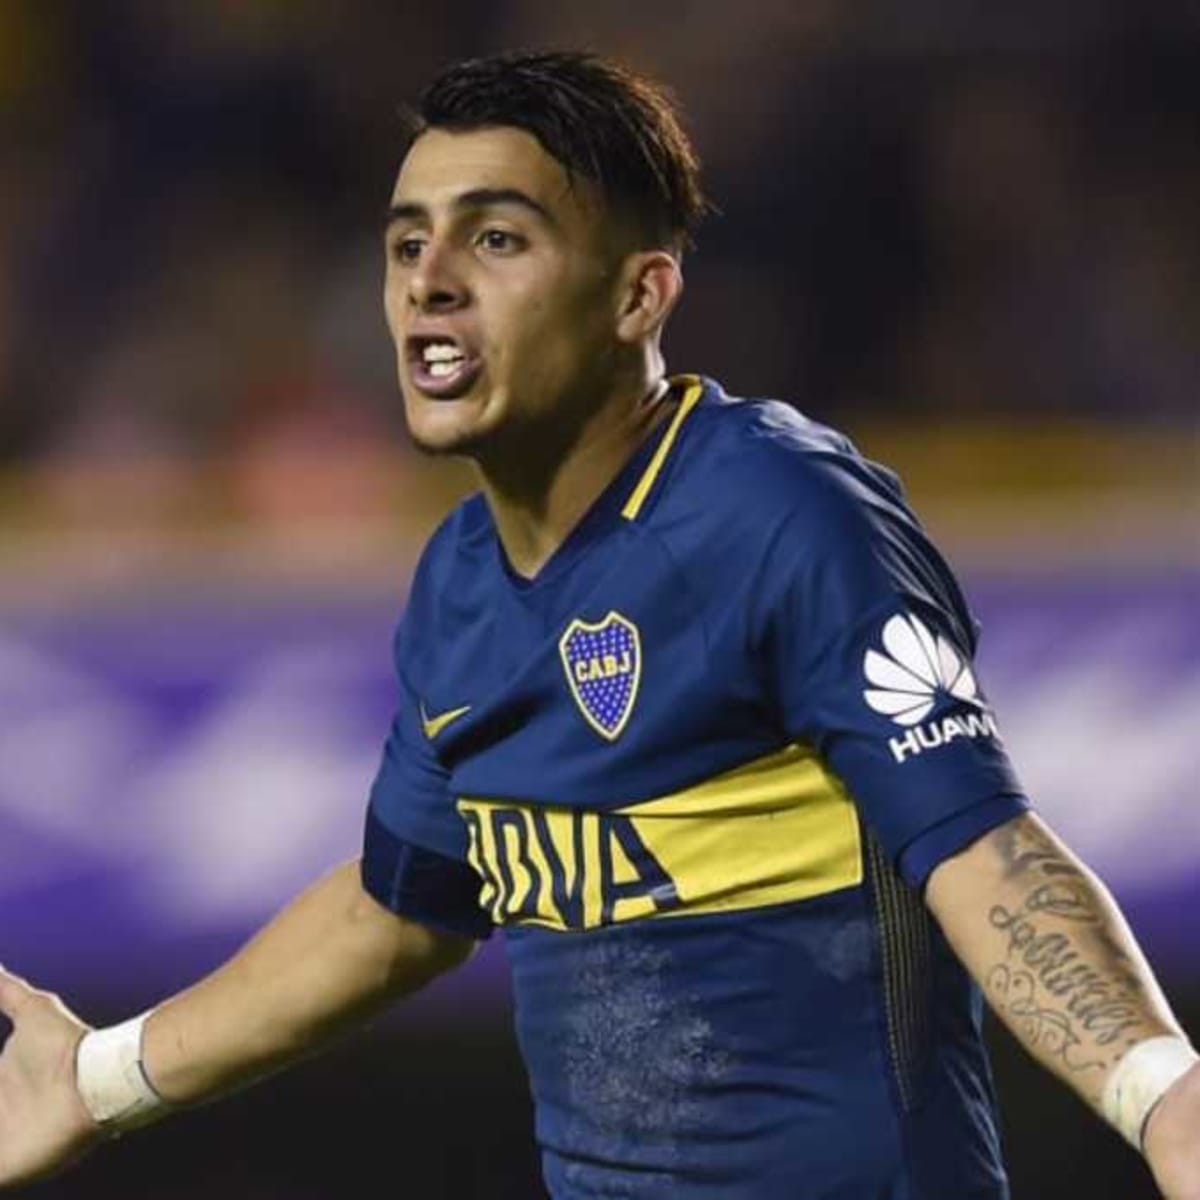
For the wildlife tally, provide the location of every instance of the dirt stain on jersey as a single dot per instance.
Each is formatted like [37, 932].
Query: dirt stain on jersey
[639, 1057]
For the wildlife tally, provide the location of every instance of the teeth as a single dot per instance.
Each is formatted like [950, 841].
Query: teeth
[441, 352]
[443, 370]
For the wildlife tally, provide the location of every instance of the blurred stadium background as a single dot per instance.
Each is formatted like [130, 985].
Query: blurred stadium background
[965, 232]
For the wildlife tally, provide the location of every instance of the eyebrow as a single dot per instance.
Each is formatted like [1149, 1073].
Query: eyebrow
[410, 210]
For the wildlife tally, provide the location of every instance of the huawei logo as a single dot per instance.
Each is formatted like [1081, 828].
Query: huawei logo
[908, 678]
[917, 665]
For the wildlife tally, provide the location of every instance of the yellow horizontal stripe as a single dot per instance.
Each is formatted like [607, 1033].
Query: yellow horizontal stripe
[777, 830]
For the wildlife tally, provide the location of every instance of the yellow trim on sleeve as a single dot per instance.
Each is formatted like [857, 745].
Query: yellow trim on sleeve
[637, 497]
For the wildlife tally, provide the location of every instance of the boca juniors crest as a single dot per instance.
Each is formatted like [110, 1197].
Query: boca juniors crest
[603, 662]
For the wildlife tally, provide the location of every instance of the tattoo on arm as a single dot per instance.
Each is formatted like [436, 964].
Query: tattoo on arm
[1067, 986]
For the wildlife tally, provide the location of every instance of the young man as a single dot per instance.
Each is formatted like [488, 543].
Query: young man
[686, 707]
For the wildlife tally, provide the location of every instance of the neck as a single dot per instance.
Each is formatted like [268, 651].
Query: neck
[539, 496]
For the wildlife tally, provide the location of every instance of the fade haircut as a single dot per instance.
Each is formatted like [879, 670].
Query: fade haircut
[601, 120]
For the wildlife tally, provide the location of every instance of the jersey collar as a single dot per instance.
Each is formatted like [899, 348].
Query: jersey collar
[693, 388]
[623, 499]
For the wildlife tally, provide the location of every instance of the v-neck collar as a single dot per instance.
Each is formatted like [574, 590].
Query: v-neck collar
[622, 498]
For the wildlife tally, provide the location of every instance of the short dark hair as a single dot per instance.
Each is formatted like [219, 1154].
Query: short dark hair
[599, 118]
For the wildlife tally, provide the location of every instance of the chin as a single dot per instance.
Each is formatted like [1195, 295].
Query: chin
[444, 433]
[442, 447]
[466, 426]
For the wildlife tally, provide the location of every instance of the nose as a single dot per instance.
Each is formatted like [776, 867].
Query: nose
[435, 285]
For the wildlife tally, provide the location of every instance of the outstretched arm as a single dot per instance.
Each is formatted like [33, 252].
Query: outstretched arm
[329, 960]
[1060, 967]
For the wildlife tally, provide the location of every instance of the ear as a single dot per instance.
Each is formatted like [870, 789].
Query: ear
[651, 284]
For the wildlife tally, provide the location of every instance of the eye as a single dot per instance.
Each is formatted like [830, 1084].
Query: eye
[407, 249]
[500, 241]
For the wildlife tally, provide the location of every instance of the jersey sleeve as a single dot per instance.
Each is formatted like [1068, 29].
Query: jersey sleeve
[870, 650]
[415, 844]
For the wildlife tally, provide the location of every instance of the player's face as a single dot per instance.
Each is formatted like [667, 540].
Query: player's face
[499, 292]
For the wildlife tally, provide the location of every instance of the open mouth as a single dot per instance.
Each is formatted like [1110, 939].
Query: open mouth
[441, 368]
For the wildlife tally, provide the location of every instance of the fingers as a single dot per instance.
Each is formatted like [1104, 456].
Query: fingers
[14, 992]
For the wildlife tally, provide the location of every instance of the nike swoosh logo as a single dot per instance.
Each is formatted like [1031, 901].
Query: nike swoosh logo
[432, 726]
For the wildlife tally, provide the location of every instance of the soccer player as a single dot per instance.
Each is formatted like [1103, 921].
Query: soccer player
[686, 707]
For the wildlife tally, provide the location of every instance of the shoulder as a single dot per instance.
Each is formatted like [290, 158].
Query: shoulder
[447, 575]
[757, 464]
[790, 505]
[821, 522]
[463, 534]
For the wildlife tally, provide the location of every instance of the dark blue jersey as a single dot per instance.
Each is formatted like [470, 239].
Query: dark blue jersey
[698, 770]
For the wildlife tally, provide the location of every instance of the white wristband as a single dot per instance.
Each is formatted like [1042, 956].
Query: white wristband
[112, 1081]
[1137, 1083]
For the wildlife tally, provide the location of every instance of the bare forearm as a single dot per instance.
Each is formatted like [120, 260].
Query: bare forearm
[326, 962]
[1055, 958]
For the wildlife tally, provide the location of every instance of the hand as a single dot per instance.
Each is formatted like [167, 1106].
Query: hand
[43, 1123]
[1172, 1139]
